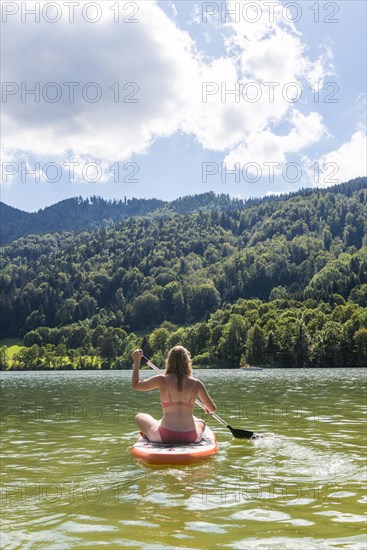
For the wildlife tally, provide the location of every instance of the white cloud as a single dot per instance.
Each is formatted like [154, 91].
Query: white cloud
[264, 146]
[173, 8]
[195, 17]
[207, 37]
[345, 163]
[145, 53]
[164, 62]
[321, 68]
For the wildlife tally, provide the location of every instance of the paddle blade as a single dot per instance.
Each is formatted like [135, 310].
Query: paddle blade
[243, 434]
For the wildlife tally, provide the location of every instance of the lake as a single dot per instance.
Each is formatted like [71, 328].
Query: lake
[69, 480]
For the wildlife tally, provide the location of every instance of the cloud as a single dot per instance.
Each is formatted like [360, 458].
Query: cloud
[173, 8]
[345, 163]
[266, 147]
[137, 53]
[166, 72]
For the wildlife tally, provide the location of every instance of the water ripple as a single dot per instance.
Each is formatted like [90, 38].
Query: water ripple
[69, 480]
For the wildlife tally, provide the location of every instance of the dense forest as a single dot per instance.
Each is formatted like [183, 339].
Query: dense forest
[280, 281]
[76, 214]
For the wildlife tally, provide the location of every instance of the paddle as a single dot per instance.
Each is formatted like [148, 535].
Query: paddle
[239, 434]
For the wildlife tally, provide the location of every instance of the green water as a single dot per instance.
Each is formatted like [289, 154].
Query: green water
[69, 481]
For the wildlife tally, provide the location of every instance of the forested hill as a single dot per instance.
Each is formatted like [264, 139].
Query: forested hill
[291, 270]
[73, 214]
[77, 214]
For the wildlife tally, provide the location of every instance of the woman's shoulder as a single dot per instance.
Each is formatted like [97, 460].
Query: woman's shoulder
[159, 377]
[196, 380]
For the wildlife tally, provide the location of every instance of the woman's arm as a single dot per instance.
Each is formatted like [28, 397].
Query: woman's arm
[210, 406]
[143, 385]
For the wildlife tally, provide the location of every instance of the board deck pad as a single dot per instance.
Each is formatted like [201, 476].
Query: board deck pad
[165, 453]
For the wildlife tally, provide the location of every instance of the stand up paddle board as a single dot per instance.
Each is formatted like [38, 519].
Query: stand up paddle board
[180, 454]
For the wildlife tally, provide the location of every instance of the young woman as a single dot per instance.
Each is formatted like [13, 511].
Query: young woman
[179, 390]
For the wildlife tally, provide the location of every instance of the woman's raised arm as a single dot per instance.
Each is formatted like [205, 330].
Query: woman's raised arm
[143, 385]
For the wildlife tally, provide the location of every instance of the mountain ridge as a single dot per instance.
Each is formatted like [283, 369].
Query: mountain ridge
[78, 214]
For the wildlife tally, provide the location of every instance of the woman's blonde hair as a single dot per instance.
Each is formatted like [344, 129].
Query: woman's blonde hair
[179, 362]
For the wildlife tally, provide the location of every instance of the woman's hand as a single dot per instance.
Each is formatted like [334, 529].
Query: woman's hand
[137, 355]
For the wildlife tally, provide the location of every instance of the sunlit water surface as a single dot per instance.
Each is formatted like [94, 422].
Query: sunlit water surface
[69, 480]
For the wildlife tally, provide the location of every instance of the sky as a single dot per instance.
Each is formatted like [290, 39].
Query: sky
[169, 98]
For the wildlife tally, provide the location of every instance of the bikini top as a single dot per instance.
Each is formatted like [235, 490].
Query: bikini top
[170, 403]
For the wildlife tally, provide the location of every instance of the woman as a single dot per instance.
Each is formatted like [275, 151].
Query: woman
[179, 390]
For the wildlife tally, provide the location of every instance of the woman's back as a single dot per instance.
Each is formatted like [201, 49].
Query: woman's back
[172, 397]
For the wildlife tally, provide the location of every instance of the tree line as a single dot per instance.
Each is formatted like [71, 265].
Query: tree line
[182, 269]
[280, 333]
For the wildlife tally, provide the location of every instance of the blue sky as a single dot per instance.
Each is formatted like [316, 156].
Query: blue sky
[296, 117]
